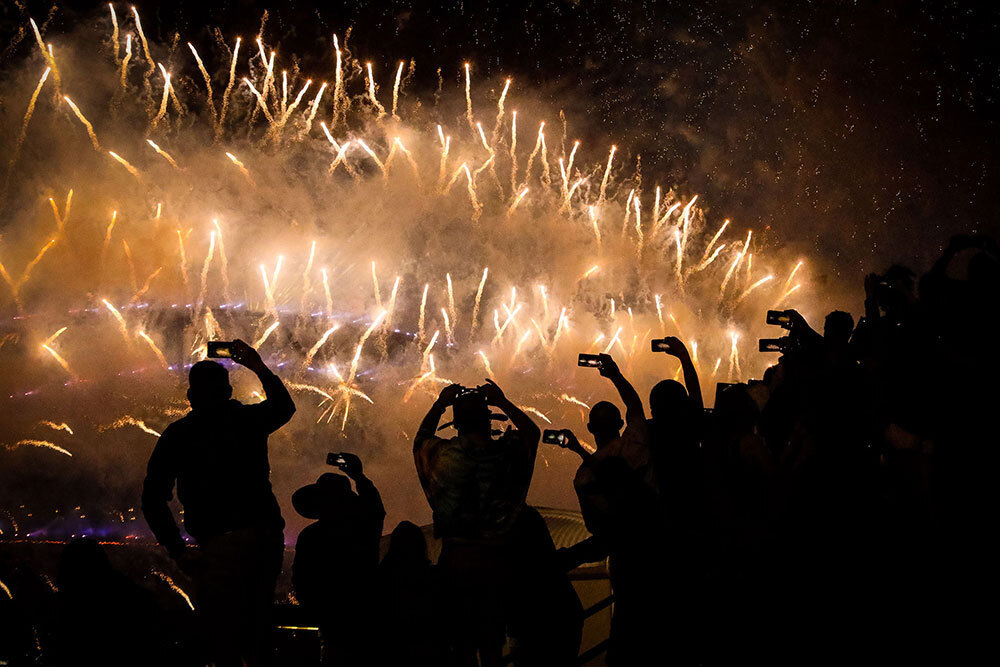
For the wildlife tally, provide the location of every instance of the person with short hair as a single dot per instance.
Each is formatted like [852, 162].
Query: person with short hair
[218, 458]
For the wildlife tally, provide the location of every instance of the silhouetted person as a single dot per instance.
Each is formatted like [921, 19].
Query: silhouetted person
[410, 602]
[217, 455]
[335, 561]
[101, 614]
[476, 487]
[617, 491]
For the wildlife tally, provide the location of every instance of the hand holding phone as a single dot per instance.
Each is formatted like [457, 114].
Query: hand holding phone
[589, 360]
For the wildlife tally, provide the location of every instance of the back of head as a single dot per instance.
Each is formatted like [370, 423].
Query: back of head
[471, 413]
[328, 496]
[407, 545]
[838, 327]
[667, 400]
[605, 420]
[208, 385]
[736, 410]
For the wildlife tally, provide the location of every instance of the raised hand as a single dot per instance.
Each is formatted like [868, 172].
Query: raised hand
[675, 347]
[608, 368]
[449, 393]
[245, 355]
[494, 395]
[352, 464]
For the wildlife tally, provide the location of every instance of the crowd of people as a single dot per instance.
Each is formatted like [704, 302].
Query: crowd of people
[835, 505]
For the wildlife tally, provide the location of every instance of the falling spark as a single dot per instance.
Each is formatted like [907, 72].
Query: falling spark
[479, 297]
[229, 86]
[451, 298]
[378, 295]
[208, 79]
[447, 326]
[754, 286]
[371, 92]
[125, 163]
[614, 339]
[59, 359]
[423, 306]
[593, 224]
[86, 123]
[486, 364]
[166, 156]
[125, 60]
[517, 201]
[535, 411]
[659, 314]
[39, 443]
[320, 343]
[154, 348]
[574, 400]
[175, 588]
[63, 426]
[235, 160]
[118, 316]
[607, 173]
[395, 89]
[361, 345]
[27, 117]
[468, 96]
[267, 333]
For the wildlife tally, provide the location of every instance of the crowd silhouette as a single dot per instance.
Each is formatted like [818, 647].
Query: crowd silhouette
[838, 504]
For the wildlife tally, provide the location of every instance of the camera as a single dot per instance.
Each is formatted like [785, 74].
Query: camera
[219, 349]
[336, 459]
[551, 436]
[781, 318]
[659, 345]
[589, 360]
[783, 344]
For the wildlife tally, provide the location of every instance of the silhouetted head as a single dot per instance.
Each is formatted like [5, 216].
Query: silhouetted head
[208, 385]
[471, 413]
[838, 327]
[83, 563]
[736, 410]
[407, 544]
[325, 497]
[605, 422]
[897, 288]
[667, 401]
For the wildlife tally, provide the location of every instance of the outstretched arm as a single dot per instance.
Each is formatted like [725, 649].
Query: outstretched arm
[157, 492]
[278, 406]
[630, 397]
[676, 348]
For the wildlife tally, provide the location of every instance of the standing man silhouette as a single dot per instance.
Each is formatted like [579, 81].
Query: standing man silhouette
[217, 456]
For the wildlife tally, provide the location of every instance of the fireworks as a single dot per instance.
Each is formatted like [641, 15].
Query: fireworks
[306, 207]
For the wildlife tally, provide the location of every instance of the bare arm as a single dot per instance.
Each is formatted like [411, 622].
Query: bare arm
[677, 349]
[278, 407]
[530, 433]
[634, 412]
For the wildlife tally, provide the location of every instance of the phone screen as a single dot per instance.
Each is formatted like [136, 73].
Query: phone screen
[218, 349]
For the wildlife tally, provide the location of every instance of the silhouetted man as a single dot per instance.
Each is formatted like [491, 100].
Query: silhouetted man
[476, 487]
[336, 558]
[217, 455]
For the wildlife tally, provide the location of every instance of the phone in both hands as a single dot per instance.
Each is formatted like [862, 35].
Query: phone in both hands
[220, 349]
[552, 436]
[336, 459]
[589, 360]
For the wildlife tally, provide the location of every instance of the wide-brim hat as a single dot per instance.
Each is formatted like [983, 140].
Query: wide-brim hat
[310, 500]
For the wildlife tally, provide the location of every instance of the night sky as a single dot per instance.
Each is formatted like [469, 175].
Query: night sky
[857, 131]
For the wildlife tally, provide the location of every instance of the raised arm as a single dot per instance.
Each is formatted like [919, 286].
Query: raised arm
[630, 397]
[278, 406]
[157, 492]
[676, 348]
[530, 433]
[367, 492]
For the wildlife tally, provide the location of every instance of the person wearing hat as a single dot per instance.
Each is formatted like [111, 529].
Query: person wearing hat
[336, 559]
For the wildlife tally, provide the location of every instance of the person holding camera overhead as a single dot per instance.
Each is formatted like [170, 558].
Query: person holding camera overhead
[493, 543]
[217, 456]
[336, 559]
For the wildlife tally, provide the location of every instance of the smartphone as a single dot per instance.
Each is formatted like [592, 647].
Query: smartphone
[551, 436]
[781, 318]
[771, 344]
[590, 360]
[220, 349]
[335, 459]
[659, 345]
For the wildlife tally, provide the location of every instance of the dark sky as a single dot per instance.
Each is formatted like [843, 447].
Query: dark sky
[860, 131]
